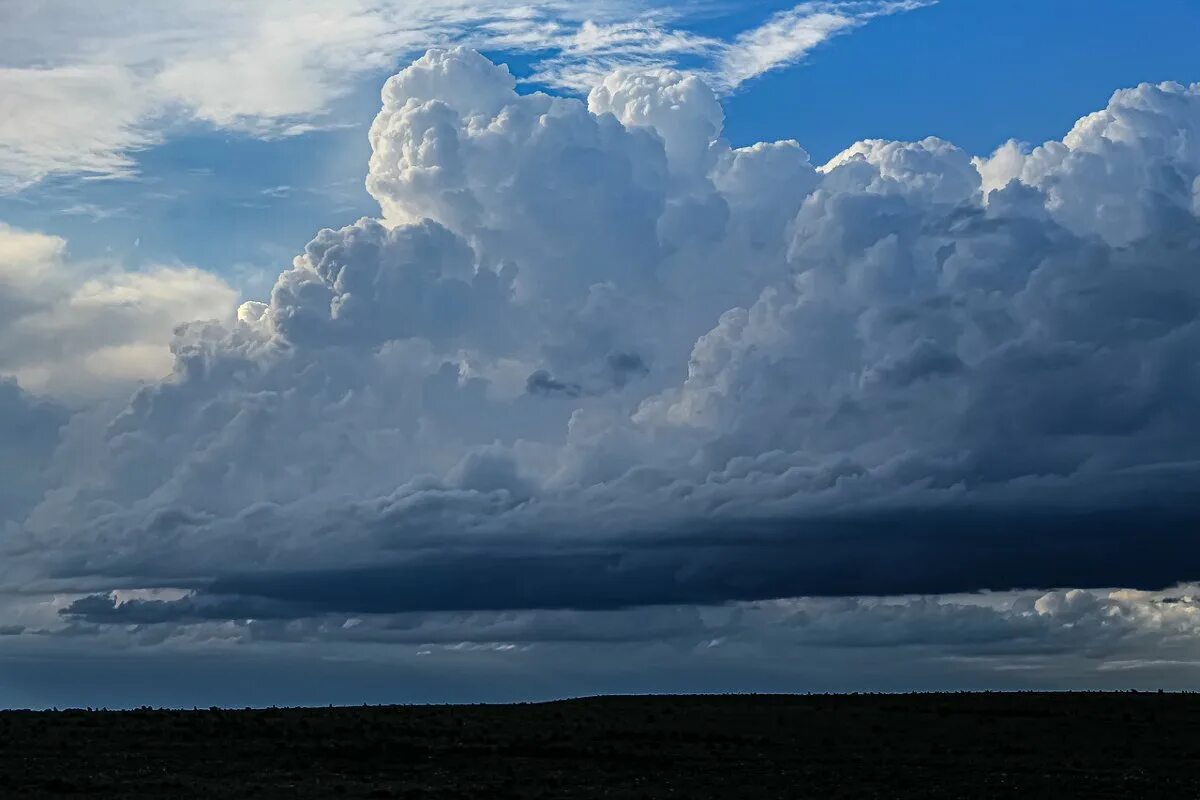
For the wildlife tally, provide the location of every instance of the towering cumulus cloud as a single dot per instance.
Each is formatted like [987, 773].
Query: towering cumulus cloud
[591, 357]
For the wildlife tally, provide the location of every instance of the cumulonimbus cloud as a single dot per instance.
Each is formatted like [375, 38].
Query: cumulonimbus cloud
[591, 357]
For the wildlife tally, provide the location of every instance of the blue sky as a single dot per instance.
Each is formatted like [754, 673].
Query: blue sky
[337, 368]
[976, 73]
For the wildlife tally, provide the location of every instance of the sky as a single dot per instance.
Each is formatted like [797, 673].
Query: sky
[480, 351]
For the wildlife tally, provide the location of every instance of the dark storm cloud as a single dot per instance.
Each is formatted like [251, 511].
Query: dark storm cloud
[105, 609]
[897, 553]
[540, 382]
[619, 369]
[626, 367]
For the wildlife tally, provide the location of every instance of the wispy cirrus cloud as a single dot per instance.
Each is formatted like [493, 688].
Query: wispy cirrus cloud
[83, 119]
[789, 36]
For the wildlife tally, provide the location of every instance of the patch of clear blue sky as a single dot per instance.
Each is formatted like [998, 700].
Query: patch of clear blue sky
[975, 72]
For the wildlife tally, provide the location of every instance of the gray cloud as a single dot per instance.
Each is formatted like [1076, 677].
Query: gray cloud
[27, 440]
[897, 552]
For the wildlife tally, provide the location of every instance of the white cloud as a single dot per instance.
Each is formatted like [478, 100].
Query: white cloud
[1106, 176]
[75, 119]
[592, 51]
[79, 330]
[789, 36]
[679, 108]
[26, 256]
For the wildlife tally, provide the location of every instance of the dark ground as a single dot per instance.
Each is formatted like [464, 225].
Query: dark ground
[861, 746]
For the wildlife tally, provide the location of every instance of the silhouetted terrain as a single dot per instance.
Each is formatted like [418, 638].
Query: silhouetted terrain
[873, 746]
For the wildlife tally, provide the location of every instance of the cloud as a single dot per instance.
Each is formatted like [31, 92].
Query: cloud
[1101, 638]
[680, 109]
[88, 330]
[28, 439]
[698, 562]
[1119, 172]
[75, 119]
[591, 52]
[592, 360]
[82, 90]
[790, 35]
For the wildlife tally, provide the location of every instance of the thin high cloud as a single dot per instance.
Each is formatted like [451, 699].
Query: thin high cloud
[82, 89]
[789, 36]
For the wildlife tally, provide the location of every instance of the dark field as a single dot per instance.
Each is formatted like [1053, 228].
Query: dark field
[935, 746]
